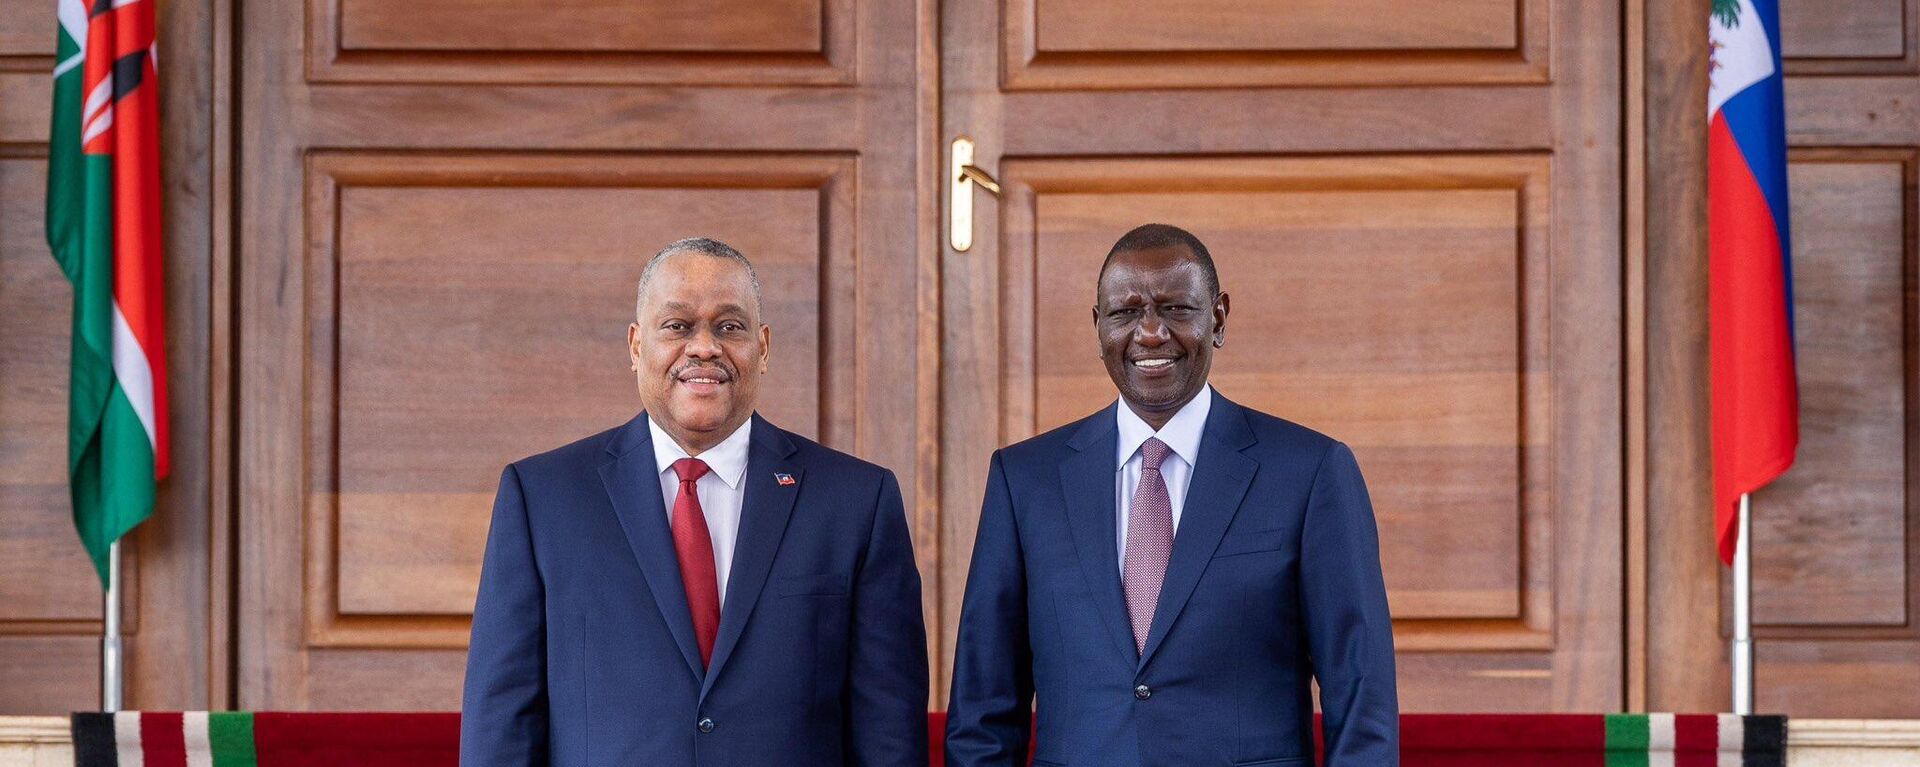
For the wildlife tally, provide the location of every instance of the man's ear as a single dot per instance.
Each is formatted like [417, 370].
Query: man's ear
[1220, 307]
[633, 345]
[766, 345]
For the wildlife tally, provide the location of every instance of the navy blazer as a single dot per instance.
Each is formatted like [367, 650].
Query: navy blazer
[1274, 580]
[583, 649]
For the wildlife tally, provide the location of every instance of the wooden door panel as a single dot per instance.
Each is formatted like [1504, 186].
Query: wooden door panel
[50, 602]
[1315, 120]
[26, 42]
[440, 270]
[1831, 541]
[1428, 273]
[52, 672]
[1425, 377]
[385, 675]
[26, 29]
[533, 43]
[29, 99]
[1490, 682]
[1305, 25]
[1848, 35]
[1133, 44]
[1834, 538]
[44, 573]
[783, 26]
[451, 290]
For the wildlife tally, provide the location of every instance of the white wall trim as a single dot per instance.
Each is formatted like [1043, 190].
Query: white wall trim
[34, 730]
[1853, 733]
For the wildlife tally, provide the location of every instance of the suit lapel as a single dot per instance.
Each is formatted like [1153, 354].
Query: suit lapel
[1219, 484]
[764, 511]
[1086, 482]
[633, 485]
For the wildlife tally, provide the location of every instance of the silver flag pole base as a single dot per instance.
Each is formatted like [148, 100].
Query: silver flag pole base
[1742, 649]
[111, 665]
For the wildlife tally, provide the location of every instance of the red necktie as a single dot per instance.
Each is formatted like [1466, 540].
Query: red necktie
[695, 549]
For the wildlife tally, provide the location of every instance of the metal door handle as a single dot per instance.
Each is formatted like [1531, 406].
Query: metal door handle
[961, 178]
[978, 176]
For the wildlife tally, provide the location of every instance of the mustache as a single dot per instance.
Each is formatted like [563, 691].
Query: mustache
[703, 369]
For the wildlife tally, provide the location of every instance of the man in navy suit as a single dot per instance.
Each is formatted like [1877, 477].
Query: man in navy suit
[697, 587]
[1168, 574]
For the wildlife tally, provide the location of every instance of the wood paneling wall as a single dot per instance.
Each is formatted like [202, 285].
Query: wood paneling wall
[1837, 538]
[50, 599]
[1834, 539]
[447, 209]
[390, 263]
[1421, 232]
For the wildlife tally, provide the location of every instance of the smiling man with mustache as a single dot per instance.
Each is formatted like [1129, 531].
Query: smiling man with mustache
[698, 586]
[1169, 574]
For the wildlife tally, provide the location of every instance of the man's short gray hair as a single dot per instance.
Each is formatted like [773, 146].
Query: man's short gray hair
[706, 246]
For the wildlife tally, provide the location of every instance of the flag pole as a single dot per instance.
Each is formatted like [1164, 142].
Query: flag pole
[1743, 612]
[110, 659]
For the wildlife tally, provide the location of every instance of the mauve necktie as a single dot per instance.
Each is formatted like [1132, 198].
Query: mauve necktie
[1149, 541]
[694, 547]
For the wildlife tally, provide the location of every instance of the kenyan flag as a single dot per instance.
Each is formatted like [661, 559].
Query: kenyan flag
[1695, 740]
[1592, 740]
[103, 223]
[265, 739]
[136, 739]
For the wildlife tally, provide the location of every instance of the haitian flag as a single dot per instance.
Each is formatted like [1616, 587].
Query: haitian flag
[103, 223]
[1749, 285]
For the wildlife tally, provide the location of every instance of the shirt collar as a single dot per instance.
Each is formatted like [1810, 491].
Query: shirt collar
[727, 460]
[1182, 432]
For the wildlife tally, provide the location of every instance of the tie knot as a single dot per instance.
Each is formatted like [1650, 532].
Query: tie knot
[690, 469]
[1152, 452]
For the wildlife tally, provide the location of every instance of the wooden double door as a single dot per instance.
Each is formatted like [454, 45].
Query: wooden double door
[443, 208]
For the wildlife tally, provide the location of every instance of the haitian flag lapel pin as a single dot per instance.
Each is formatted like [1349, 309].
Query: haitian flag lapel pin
[785, 479]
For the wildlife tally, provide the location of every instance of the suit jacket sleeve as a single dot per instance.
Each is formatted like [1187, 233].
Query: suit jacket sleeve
[887, 704]
[503, 711]
[1349, 634]
[990, 713]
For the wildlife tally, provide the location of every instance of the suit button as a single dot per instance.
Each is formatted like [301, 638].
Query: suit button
[1142, 692]
[706, 725]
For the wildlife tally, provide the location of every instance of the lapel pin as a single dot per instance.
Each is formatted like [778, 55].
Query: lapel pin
[783, 478]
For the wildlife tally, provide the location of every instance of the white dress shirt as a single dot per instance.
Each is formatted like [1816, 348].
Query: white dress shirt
[1182, 433]
[721, 490]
